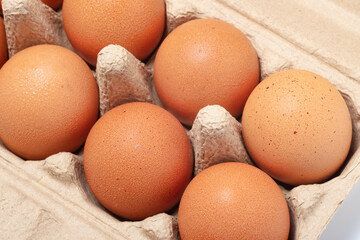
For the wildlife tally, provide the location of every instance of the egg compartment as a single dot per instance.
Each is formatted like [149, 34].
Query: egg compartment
[57, 202]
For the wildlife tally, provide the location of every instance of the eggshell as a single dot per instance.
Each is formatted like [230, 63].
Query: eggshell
[54, 4]
[136, 25]
[205, 62]
[48, 101]
[233, 201]
[3, 44]
[297, 127]
[138, 160]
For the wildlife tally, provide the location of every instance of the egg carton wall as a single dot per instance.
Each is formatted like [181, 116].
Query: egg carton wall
[51, 199]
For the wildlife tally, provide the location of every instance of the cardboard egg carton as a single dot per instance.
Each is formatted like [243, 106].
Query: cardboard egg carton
[50, 199]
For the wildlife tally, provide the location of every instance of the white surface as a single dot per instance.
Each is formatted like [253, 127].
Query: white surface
[345, 224]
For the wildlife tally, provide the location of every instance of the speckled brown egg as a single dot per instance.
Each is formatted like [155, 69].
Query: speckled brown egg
[138, 160]
[48, 101]
[297, 127]
[205, 62]
[233, 201]
[3, 44]
[136, 25]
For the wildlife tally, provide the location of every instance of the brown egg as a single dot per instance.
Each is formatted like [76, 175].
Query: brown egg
[233, 201]
[297, 127]
[48, 101]
[54, 4]
[3, 44]
[138, 160]
[205, 62]
[136, 25]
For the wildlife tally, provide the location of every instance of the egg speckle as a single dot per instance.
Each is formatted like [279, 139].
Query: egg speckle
[297, 127]
[205, 62]
[138, 160]
[48, 101]
[233, 201]
[136, 25]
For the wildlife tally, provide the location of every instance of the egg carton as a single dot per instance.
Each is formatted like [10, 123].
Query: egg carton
[50, 198]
